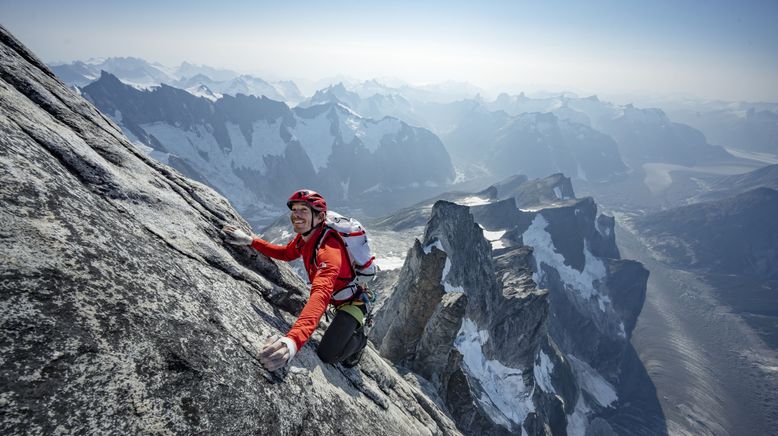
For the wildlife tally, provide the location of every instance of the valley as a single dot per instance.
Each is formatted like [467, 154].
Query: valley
[713, 373]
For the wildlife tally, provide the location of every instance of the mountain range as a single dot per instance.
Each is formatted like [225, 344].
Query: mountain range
[257, 150]
[143, 74]
[465, 122]
[589, 139]
[740, 125]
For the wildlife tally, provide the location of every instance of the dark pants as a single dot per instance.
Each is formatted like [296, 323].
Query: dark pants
[343, 338]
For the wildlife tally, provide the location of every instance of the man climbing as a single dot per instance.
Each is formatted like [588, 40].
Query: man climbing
[329, 272]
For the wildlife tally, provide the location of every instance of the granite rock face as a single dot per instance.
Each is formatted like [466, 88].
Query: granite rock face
[122, 309]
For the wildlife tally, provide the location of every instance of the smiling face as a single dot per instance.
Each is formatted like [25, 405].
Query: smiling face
[302, 217]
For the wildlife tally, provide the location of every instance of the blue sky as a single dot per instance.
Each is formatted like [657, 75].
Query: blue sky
[708, 49]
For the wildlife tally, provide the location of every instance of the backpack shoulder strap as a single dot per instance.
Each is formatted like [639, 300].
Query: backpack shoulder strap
[327, 230]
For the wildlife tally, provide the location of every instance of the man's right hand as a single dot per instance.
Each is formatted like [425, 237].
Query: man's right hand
[277, 352]
[237, 236]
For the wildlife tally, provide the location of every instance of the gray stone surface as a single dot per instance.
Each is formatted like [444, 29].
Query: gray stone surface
[124, 312]
[401, 322]
[434, 350]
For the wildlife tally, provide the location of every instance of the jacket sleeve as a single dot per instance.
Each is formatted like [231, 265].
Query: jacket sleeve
[322, 286]
[287, 253]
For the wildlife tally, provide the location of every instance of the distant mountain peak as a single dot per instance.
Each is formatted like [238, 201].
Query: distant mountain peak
[338, 87]
[345, 108]
[199, 77]
[106, 77]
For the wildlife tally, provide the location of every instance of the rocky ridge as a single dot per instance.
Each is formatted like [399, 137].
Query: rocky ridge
[523, 312]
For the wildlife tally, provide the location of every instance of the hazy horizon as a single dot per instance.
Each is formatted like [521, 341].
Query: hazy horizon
[711, 51]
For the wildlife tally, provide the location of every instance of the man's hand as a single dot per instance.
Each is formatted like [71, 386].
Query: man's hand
[237, 236]
[277, 352]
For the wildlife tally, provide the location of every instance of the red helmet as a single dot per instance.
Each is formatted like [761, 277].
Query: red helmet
[311, 198]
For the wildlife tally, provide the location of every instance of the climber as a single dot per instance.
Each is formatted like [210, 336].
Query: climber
[329, 271]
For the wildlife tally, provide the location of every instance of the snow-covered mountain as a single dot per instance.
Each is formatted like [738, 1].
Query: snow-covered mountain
[483, 140]
[415, 104]
[77, 73]
[244, 84]
[144, 74]
[290, 91]
[535, 144]
[337, 93]
[387, 86]
[385, 102]
[218, 74]
[379, 154]
[520, 317]
[648, 135]
[603, 136]
[465, 126]
[200, 90]
[131, 70]
[257, 150]
[444, 92]
[519, 104]
[742, 126]
[643, 135]
[589, 110]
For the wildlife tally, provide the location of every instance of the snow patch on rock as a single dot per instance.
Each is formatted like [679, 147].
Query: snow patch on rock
[542, 371]
[389, 262]
[494, 238]
[577, 421]
[473, 200]
[592, 382]
[505, 396]
[583, 282]
[448, 287]
[318, 146]
[436, 244]
[373, 133]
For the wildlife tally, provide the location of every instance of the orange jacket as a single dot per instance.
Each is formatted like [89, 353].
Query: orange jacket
[331, 274]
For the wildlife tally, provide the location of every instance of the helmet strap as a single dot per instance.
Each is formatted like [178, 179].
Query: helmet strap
[312, 229]
[313, 214]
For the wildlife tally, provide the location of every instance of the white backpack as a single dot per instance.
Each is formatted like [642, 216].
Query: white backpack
[362, 259]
